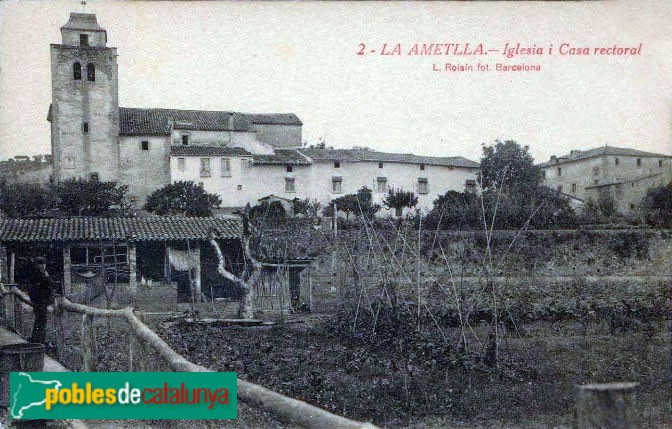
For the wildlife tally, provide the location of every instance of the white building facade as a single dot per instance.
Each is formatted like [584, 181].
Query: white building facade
[242, 157]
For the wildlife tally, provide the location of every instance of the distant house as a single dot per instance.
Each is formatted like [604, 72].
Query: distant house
[24, 169]
[623, 174]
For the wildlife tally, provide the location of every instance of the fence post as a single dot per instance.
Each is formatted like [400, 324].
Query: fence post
[59, 321]
[137, 353]
[88, 343]
[609, 405]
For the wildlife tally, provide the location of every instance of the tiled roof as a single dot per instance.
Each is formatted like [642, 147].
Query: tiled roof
[358, 155]
[152, 228]
[282, 157]
[189, 150]
[600, 151]
[134, 121]
[82, 21]
[274, 118]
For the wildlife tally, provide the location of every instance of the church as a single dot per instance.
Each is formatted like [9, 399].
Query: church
[242, 157]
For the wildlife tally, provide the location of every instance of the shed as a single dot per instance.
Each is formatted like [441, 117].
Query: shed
[89, 253]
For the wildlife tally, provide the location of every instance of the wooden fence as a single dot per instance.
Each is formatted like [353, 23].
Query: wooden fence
[144, 340]
[12, 305]
[597, 406]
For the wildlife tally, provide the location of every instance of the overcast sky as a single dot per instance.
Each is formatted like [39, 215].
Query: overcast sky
[301, 58]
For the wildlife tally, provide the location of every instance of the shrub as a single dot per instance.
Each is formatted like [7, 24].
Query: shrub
[182, 198]
[657, 207]
[629, 243]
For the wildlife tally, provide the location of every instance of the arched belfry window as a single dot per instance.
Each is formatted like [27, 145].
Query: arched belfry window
[90, 72]
[77, 71]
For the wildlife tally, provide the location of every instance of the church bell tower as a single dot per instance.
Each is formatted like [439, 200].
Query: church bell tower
[84, 112]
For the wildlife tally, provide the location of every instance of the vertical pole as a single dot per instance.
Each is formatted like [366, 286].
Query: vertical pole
[67, 273]
[310, 289]
[88, 343]
[12, 262]
[138, 356]
[3, 309]
[335, 221]
[132, 269]
[197, 272]
[60, 322]
[18, 315]
[11, 309]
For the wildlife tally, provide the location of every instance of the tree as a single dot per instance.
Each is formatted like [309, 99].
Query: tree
[360, 203]
[182, 198]
[455, 210]
[657, 206]
[24, 200]
[77, 197]
[398, 199]
[509, 164]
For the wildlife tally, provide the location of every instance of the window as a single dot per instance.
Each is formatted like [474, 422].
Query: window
[181, 164]
[559, 171]
[144, 145]
[337, 164]
[93, 177]
[77, 71]
[616, 161]
[200, 184]
[239, 187]
[632, 206]
[660, 163]
[573, 187]
[560, 188]
[226, 167]
[69, 162]
[380, 165]
[83, 40]
[185, 139]
[289, 184]
[422, 167]
[90, 72]
[596, 182]
[290, 168]
[205, 167]
[85, 127]
[381, 184]
[423, 185]
[543, 173]
[596, 171]
[337, 184]
[639, 162]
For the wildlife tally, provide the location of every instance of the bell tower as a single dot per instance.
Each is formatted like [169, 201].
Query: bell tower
[84, 112]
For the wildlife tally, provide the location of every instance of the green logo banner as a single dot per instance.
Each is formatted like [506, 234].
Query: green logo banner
[123, 395]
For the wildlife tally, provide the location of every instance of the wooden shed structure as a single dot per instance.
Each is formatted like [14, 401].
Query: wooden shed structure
[90, 253]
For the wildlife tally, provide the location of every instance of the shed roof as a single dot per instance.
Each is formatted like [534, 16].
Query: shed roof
[151, 228]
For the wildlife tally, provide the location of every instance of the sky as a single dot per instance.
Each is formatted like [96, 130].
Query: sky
[301, 57]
